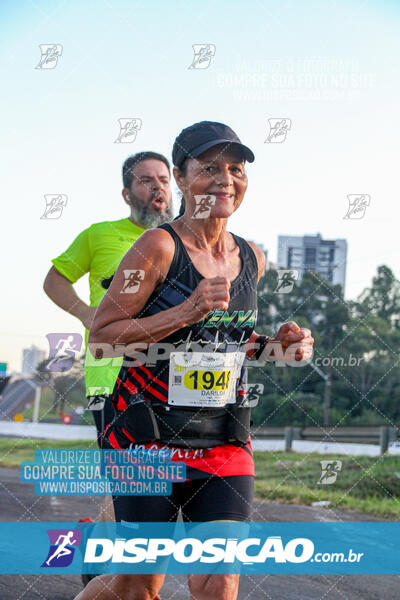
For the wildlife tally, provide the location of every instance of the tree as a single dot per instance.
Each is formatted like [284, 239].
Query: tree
[356, 345]
[383, 297]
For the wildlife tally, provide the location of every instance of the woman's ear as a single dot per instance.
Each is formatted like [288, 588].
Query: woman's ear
[178, 178]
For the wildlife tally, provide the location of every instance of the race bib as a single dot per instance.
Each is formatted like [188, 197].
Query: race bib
[203, 378]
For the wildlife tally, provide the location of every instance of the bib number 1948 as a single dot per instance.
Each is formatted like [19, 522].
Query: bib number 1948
[207, 380]
[203, 379]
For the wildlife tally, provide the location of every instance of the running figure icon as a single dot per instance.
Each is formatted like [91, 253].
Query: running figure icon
[62, 549]
[62, 351]
[64, 348]
[133, 279]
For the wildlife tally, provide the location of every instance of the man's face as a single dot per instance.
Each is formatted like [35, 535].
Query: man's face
[150, 194]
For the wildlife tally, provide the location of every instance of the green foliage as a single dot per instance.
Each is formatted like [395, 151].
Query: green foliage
[356, 346]
[13, 451]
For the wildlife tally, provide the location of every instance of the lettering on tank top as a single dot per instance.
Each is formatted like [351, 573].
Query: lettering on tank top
[220, 318]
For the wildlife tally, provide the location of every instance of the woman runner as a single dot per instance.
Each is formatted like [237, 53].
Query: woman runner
[194, 293]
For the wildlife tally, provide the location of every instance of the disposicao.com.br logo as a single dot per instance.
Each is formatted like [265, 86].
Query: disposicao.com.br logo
[212, 547]
[240, 551]
[211, 551]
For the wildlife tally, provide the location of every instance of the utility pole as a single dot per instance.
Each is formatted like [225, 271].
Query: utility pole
[36, 406]
[327, 397]
[327, 391]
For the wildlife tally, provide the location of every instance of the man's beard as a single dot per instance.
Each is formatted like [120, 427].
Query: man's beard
[144, 215]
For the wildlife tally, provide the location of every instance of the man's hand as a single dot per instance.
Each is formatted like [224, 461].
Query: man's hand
[296, 342]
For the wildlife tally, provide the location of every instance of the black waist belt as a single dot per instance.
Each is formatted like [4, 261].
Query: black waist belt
[185, 427]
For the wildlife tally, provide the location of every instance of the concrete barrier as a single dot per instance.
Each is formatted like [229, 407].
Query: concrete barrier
[289, 441]
[370, 441]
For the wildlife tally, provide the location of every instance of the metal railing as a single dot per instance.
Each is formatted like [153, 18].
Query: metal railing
[381, 435]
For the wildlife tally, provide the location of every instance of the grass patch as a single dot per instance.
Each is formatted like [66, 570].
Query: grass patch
[13, 451]
[365, 484]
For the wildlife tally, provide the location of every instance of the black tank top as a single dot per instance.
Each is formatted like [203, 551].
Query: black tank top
[219, 331]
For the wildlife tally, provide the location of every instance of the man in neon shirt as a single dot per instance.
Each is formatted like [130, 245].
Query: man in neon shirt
[98, 250]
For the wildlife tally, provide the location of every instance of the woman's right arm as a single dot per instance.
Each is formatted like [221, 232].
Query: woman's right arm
[149, 259]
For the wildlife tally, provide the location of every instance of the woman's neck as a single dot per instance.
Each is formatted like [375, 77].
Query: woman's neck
[203, 233]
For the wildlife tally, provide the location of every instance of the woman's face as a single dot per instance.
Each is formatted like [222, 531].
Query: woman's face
[217, 172]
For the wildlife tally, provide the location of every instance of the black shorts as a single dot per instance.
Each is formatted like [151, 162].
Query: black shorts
[103, 417]
[210, 499]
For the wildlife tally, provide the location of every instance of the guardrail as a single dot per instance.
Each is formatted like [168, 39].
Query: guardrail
[381, 435]
[47, 431]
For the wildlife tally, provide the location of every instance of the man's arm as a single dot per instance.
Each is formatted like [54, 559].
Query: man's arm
[61, 291]
[67, 268]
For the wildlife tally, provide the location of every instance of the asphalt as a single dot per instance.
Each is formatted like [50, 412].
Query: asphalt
[19, 503]
[16, 396]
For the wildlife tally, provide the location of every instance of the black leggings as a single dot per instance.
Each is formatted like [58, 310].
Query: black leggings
[209, 499]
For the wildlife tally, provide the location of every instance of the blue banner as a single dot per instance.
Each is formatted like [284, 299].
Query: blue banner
[76, 472]
[214, 547]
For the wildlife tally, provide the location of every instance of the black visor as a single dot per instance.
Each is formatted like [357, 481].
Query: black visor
[196, 139]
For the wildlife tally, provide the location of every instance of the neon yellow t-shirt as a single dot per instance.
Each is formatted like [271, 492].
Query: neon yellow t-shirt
[98, 250]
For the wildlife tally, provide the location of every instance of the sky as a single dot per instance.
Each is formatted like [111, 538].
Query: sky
[330, 67]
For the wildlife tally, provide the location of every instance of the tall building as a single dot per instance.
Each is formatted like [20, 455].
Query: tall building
[312, 253]
[31, 357]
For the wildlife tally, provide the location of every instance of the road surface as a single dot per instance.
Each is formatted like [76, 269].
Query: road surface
[15, 397]
[18, 502]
